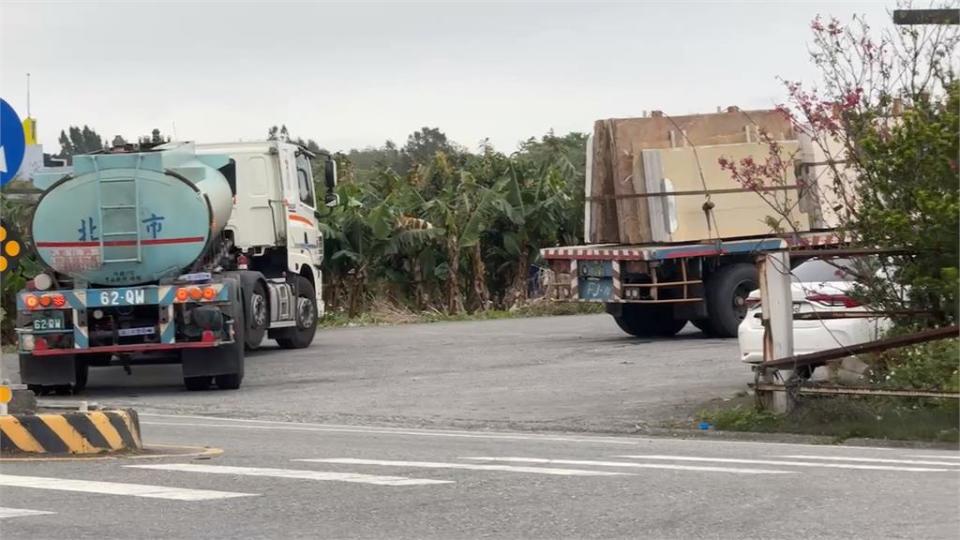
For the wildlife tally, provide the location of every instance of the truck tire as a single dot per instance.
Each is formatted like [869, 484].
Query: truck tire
[257, 315]
[704, 326]
[83, 373]
[198, 384]
[230, 381]
[301, 335]
[647, 320]
[727, 291]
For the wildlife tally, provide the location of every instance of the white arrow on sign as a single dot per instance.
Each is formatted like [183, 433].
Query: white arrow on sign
[3, 161]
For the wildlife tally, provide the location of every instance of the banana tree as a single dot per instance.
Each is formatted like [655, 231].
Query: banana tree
[465, 209]
[535, 204]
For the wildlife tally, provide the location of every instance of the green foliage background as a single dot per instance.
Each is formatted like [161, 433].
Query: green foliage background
[431, 225]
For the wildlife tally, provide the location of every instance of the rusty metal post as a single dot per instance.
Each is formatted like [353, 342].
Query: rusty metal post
[777, 314]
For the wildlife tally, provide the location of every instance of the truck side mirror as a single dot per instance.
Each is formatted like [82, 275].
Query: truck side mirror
[331, 198]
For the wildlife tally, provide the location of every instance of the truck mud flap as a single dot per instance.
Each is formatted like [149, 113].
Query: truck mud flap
[223, 360]
[48, 370]
[211, 362]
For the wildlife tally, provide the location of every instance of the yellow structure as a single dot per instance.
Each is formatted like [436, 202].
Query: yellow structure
[30, 131]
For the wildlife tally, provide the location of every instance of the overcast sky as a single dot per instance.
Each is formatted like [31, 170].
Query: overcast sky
[357, 74]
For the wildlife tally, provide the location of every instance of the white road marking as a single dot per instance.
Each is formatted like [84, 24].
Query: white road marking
[294, 473]
[19, 512]
[465, 466]
[935, 456]
[218, 422]
[788, 463]
[876, 460]
[117, 488]
[293, 426]
[735, 470]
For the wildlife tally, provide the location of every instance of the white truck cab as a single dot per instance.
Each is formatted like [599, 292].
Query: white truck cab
[274, 220]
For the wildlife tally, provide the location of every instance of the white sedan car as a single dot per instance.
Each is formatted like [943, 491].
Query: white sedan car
[818, 285]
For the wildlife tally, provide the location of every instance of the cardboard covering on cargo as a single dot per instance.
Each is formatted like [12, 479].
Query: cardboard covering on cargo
[635, 158]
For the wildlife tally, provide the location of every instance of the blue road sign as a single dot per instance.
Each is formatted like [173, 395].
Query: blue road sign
[12, 144]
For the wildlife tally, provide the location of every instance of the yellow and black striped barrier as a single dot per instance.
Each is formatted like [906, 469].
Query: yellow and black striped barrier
[66, 433]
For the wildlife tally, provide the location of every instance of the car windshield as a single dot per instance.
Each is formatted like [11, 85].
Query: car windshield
[820, 270]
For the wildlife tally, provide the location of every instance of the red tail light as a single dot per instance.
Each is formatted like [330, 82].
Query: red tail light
[207, 337]
[834, 300]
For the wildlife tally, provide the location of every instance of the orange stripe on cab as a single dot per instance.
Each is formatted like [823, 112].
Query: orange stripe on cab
[296, 217]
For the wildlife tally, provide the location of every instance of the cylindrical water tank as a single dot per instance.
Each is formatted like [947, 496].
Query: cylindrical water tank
[130, 219]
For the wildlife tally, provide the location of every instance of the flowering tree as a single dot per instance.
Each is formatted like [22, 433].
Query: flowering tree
[884, 117]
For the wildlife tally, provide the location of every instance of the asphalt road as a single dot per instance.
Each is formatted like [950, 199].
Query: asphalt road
[469, 430]
[370, 482]
[578, 373]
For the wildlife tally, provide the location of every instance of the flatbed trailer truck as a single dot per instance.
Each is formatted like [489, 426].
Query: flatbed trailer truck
[655, 289]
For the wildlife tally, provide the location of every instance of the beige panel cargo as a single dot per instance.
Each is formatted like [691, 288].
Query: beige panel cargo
[637, 162]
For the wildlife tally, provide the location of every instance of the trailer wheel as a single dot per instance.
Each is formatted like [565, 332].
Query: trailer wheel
[727, 292]
[82, 373]
[197, 384]
[704, 326]
[646, 320]
[258, 316]
[301, 335]
[230, 381]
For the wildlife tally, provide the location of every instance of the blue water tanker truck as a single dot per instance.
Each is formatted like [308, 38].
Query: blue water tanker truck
[176, 253]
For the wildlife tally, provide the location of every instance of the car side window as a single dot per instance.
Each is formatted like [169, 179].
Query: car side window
[305, 182]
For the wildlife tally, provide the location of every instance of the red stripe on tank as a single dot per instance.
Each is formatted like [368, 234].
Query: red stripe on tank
[121, 243]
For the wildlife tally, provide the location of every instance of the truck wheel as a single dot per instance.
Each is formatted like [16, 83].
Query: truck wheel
[646, 320]
[727, 292]
[230, 381]
[83, 371]
[197, 384]
[258, 316]
[704, 326]
[301, 335]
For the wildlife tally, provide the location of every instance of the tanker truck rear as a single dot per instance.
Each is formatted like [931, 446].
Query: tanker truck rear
[177, 253]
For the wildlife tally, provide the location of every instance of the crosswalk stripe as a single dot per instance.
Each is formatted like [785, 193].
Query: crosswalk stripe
[735, 470]
[19, 512]
[877, 460]
[117, 488]
[294, 473]
[465, 466]
[788, 463]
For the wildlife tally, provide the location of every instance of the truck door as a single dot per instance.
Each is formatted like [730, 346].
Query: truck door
[253, 214]
[303, 239]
